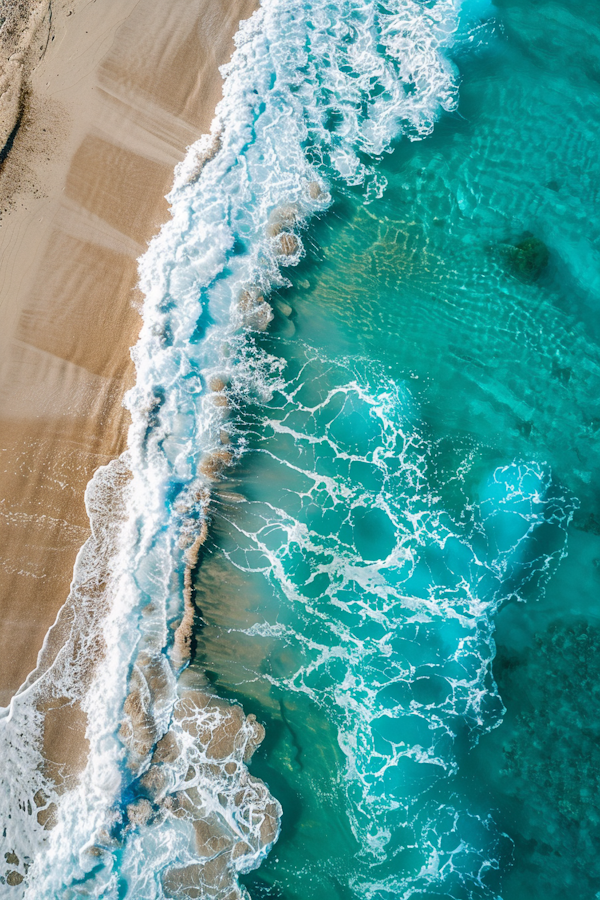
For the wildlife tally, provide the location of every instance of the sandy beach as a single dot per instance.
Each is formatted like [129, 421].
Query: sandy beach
[120, 89]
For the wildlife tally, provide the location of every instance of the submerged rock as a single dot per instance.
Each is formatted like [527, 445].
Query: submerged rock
[156, 783]
[234, 833]
[284, 308]
[48, 816]
[138, 728]
[167, 749]
[284, 217]
[288, 243]
[216, 383]
[526, 259]
[220, 400]
[183, 640]
[314, 190]
[230, 497]
[213, 463]
[196, 881]
[139, 813]
[255, 310]
[150, 687]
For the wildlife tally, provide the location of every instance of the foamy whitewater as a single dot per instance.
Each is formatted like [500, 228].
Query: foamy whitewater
[315, 93]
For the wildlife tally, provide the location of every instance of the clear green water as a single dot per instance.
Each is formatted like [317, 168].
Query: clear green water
[499, 353]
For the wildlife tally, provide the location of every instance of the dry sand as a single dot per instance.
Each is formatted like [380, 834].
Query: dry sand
[120, 89]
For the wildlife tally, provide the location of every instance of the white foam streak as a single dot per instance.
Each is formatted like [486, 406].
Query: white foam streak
[397, 650]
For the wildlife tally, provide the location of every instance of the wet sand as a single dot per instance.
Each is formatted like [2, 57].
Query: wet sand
[122, 88]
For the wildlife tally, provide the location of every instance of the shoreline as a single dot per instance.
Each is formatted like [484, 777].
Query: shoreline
[121, 92]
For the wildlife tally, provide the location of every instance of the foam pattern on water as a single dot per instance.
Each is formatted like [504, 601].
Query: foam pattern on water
[389, 603]
[311, 94]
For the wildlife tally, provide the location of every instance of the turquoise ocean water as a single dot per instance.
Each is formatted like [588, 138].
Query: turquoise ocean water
[360, 498]
[426, 354]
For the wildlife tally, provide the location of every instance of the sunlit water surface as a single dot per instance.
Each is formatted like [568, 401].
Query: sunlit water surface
[429, 452]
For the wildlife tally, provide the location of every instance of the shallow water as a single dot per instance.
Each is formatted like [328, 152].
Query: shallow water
[482, 361]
